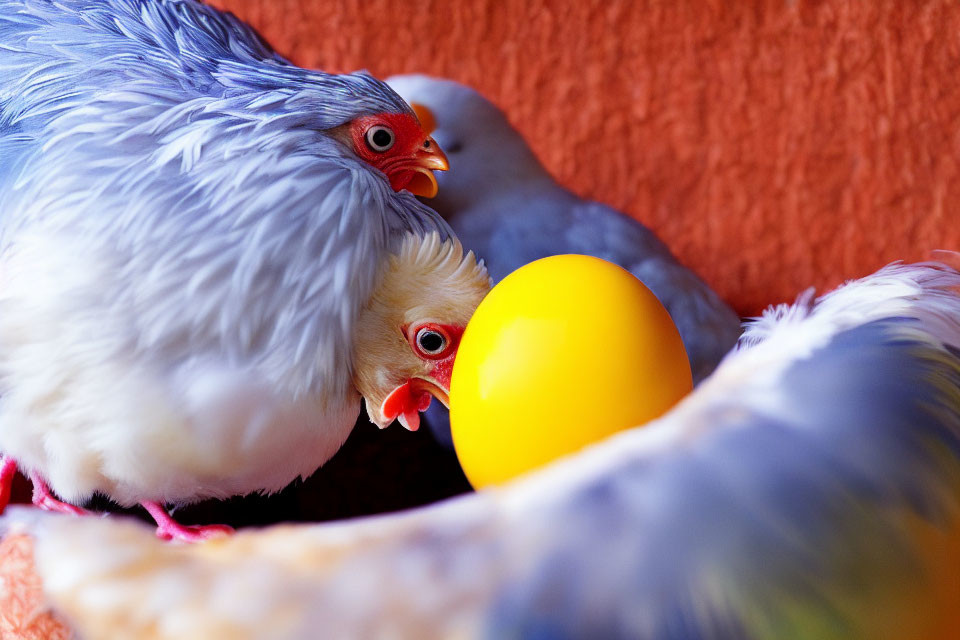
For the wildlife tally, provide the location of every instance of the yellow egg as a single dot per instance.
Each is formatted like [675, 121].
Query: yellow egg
[563, 352]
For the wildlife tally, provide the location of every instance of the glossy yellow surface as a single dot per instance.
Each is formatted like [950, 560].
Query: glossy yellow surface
[563, 352]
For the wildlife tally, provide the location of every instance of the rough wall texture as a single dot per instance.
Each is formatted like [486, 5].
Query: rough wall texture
[24, 614]
[773, 144]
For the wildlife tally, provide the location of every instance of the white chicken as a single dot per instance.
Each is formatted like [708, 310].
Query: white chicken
[810, 488]
[207, 255]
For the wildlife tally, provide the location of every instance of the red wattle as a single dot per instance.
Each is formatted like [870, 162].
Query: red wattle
[424, 402]
[397, 402]
[403, 401]
[411, 420]
[400, 179]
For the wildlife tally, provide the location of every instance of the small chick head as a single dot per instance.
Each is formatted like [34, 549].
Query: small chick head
[408, 334]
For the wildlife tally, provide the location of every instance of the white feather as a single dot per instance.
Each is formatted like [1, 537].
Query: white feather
[731, 516]
[183, 250]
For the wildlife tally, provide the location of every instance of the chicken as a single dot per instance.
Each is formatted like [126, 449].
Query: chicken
[397, 372]
[200, 244]
[504, 206]
[810, 488]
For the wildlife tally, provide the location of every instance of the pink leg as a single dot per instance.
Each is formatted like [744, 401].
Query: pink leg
[8, 469]
[170, 529]
[44, 499]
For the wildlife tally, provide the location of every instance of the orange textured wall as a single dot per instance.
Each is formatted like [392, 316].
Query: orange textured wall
[773, 144]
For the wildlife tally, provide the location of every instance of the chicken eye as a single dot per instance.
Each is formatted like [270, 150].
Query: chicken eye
[431, 342]
[380, 138]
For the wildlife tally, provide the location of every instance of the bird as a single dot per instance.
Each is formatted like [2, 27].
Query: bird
[504, 205]
[809, 488]
[208, 256]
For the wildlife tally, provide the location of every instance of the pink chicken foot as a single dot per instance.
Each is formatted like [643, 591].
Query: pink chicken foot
[170, 529]
[43, 498]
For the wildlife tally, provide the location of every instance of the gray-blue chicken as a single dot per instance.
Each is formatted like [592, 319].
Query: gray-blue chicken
[207, 257]
[504, 206]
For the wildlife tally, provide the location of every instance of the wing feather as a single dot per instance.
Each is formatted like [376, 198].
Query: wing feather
[809, 488]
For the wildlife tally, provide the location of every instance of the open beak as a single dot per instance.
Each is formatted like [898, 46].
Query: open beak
[423, 183]
[405, 403]
[431, 387]
[417, 176]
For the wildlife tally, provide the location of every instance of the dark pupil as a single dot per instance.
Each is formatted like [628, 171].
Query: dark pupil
[382, 137]
[431, 341]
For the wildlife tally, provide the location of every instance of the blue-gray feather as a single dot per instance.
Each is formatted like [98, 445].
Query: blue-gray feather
[504, 206]
[807, 489]
[59, 57]
[800, 504]
[167, 139]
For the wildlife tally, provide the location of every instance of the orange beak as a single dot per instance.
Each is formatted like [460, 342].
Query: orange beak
[405, 403]
[420, 385]
[418, 175]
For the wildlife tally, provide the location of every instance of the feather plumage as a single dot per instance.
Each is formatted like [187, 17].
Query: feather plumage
[809, 488]
[184, 249]
[504, 205]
